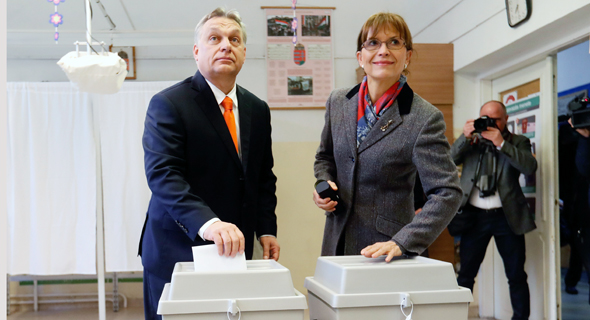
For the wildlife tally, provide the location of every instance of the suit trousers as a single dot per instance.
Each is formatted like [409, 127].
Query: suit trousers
[579, 257]
[152, 290]
[511, 248]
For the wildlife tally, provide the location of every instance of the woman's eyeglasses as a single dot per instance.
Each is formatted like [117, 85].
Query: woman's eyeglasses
[392, 44]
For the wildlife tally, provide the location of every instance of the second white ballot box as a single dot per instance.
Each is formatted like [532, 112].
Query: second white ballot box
[355, 287]
[263, 291]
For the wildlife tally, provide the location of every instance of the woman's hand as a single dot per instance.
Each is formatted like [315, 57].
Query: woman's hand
[325, 204]
[389, 248]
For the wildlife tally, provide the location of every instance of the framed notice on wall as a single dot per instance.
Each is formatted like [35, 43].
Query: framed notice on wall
[299, 63]
[128, 55]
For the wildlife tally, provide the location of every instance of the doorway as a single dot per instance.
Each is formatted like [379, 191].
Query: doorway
[573, 81]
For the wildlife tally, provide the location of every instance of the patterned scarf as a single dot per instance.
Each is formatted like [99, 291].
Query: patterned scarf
[369, 113]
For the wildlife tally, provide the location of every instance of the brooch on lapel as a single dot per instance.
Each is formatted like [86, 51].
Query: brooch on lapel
[383, 128]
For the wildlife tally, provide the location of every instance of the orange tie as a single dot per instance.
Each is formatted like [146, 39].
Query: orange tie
[230, 120]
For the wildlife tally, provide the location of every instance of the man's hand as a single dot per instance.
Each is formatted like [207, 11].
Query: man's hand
[468, 128]
[583, 131]
[270, 248]
[228, 238]
[494, 135]
[325, 204]
[389, 248]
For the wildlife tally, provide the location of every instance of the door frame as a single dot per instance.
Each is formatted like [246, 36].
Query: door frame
[549, 211]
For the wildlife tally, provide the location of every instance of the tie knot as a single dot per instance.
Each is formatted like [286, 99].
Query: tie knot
[227, 103]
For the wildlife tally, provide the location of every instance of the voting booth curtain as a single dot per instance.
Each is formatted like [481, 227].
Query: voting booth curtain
[63, 145]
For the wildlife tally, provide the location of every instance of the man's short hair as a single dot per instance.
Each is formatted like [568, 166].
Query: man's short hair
[498, 102]
[221, 13]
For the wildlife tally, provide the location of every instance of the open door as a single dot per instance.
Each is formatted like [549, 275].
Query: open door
[530, 97]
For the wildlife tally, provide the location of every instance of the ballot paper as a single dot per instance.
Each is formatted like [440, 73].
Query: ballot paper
[207, 259]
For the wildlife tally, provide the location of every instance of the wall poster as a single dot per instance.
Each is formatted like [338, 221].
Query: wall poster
[523, 118]
[299, 74]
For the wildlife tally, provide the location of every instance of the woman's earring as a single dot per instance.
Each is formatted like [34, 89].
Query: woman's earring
[362, 66]
[405, 66]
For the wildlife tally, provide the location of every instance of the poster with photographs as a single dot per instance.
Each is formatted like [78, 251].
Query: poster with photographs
[300, 74]
[523, 119]
[279, 26]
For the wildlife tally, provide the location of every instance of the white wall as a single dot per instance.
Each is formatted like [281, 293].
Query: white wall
[486, 47]
[3, 160]
[573, 67]
[483, 39]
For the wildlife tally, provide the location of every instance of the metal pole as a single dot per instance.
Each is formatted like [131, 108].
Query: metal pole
[115, 292]
[35, 295]
[88, 27]
[99, 223]
[7, 294]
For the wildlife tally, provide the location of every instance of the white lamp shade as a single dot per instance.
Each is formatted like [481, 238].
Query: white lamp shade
[96, 73]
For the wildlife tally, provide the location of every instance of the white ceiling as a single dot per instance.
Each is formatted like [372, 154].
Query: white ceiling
[171, 22]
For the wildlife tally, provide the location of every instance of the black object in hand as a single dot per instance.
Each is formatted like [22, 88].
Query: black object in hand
[483, 123]
[324, 190]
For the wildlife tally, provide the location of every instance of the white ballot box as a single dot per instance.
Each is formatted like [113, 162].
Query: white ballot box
[264, 291]
[355, 287]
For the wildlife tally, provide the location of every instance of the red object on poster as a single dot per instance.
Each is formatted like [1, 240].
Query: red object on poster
[299, 54]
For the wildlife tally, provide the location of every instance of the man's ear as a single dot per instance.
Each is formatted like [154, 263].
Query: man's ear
[195, 52]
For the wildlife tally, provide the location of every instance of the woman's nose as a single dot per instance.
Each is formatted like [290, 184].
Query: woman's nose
[383, 50]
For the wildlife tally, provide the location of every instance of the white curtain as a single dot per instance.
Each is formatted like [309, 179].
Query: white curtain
[54, 149]
[52, 180]
[125, 191]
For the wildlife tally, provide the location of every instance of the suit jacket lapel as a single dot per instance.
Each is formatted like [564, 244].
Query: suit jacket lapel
[385, 125]
[502, 159]
[245, 113]
[390, 120]
[206, 101]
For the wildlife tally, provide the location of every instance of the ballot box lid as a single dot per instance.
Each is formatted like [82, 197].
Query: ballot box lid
[357, 274]
[262, 278]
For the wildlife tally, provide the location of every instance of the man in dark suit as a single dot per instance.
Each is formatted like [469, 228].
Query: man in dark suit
[208, 161]
[492, 163]
[576, 177]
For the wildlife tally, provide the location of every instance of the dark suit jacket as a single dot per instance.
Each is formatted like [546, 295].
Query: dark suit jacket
[195, 174]
[376, 180]
[515, 158]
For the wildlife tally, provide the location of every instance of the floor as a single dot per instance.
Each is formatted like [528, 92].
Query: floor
[575, 307]
[131, 313]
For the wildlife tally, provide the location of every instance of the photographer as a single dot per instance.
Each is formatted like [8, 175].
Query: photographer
[493, 201]
[577, 206]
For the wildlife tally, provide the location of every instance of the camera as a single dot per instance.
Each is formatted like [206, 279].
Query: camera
[483, 123]
[579, 111]
[324, 190]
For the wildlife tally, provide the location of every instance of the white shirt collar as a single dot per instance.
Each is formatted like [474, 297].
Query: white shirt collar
[219, 95]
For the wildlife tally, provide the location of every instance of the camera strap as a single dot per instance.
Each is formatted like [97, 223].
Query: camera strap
[486, 170]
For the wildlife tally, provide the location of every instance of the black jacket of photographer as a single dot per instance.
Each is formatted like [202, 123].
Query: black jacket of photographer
[515, 157]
